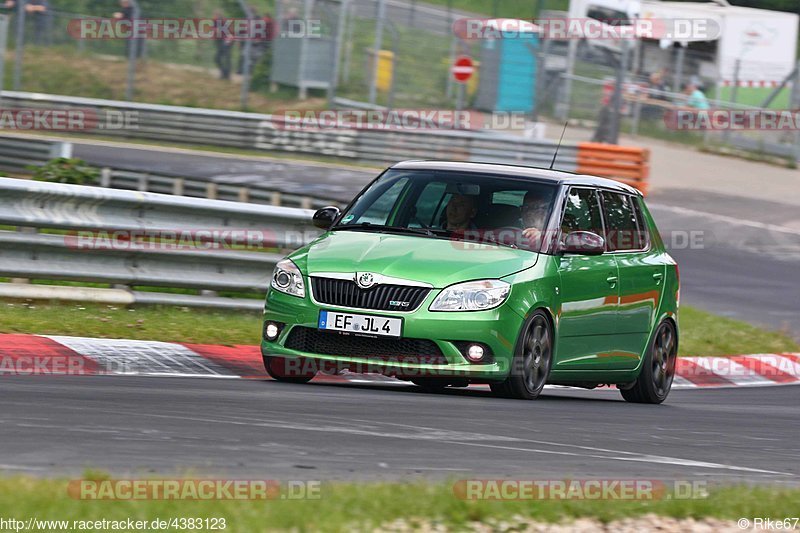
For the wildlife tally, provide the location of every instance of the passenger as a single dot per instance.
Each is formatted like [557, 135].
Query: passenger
[461, 210]
[534, 213]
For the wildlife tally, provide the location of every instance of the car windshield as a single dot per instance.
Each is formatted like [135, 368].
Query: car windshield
[472, 207]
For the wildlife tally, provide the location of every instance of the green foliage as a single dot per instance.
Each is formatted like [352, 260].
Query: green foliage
[261, 71]
[66, 170]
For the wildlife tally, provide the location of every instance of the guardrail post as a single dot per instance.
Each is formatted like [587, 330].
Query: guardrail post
[244, 194]
[212, 191]
[61, 149]
[143, 179]
[177, 187]
[105, 177]
[305, 202]
[275, 198]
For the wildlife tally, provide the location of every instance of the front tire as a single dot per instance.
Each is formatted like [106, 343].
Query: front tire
[532, 360]
[289, 371]
[658, 370]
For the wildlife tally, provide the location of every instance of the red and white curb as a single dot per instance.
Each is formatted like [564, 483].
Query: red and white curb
[62, 355]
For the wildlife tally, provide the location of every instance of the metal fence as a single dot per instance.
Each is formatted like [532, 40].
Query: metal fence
[657, 84]
[135, 239]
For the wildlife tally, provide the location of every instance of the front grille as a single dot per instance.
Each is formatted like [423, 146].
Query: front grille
[345, 293]
[417, 351]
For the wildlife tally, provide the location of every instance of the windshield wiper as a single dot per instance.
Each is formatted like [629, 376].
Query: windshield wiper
[493, 240]
[430, 232]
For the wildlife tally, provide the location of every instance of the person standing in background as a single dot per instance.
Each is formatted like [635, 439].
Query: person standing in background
[126, 13]
[38, 11]
[224, 44]
[697, 99]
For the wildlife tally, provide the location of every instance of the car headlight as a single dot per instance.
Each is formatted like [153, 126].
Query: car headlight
[288, 279]
[472, 296]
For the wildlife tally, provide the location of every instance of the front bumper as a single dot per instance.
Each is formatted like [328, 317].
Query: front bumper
[496, 328]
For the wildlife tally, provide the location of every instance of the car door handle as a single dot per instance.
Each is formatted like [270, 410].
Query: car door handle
[658, 276]
[612, 280]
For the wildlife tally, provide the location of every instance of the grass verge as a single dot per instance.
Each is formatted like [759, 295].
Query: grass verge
[704, 333]
[348, 507]
[701, 333]
[67, 72]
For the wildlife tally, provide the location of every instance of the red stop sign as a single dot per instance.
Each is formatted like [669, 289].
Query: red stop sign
[463, 68]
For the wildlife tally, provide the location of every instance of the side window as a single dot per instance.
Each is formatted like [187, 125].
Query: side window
[581, 212]
[622, 231]
[644, 230]
[430, 205]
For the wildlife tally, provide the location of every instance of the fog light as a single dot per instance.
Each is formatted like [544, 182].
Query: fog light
[272, 331]
[475, 352]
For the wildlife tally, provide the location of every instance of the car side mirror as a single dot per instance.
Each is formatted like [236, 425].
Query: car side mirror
[323, 218]
[583, 243]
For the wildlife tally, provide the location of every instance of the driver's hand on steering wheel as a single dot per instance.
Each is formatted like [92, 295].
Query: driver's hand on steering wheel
[531, 233]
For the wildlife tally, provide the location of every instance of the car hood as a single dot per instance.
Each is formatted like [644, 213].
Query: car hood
[439, 262]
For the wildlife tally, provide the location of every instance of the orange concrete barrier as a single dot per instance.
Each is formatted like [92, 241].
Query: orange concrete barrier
[628, 164]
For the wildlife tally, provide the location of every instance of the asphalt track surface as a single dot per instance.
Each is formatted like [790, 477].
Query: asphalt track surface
[248, 428]
[746, 267]
[744, 262]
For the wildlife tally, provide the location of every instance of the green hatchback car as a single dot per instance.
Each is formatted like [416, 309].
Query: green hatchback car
[452, 273]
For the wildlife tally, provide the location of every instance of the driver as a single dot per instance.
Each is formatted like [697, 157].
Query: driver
[461, 209]
[534, 212]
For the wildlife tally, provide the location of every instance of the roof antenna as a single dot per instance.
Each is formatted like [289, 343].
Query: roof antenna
[559, 145]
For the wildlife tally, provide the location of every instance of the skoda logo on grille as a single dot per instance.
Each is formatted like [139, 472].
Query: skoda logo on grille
[365, 280]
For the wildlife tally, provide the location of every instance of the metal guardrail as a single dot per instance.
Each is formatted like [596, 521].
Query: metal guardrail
[255, 131]
[19, 153]
[16, 153]
[80, 243]
[197, 188]
[379, 146]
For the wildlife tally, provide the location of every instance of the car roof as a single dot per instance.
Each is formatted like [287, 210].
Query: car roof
[517, 171]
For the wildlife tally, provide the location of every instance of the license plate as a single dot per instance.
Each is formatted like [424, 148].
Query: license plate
[360, 324]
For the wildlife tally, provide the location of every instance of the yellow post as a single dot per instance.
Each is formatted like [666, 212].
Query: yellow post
[385, 70]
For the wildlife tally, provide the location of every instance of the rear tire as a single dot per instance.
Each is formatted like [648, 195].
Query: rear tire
[532, 360]
[289, 371]
[658, 369]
